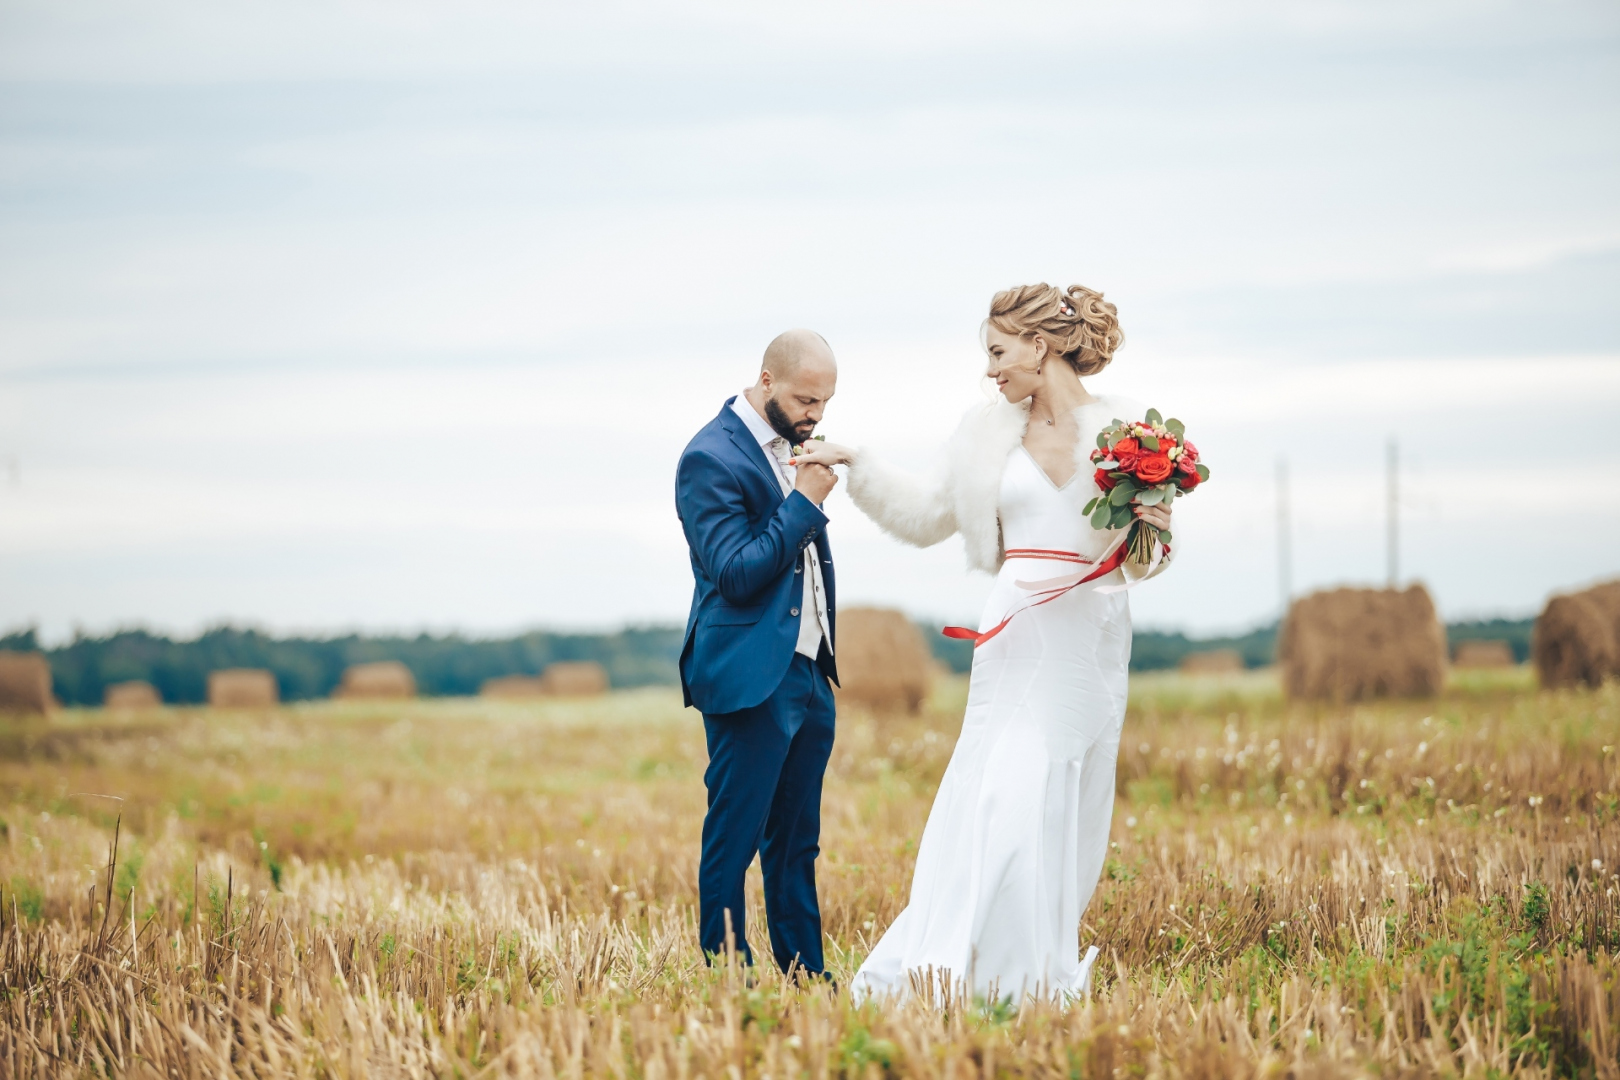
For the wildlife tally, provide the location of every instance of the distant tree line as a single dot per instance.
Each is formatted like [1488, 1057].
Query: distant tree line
[1154, 650]
[312, 667]
[456, 665]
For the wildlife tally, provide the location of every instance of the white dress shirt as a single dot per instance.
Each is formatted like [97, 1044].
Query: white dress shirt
[812, 610]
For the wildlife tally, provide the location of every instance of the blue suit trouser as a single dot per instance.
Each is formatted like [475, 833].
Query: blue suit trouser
[764, 781]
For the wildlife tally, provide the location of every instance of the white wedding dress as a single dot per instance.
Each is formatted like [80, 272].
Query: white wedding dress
[1018, 834]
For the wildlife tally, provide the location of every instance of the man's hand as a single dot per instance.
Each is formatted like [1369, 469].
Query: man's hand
[815, 482]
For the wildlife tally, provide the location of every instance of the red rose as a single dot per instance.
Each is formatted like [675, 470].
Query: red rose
[1188, 480]
[1126, 452]
[1105, 481]
[1153, 468]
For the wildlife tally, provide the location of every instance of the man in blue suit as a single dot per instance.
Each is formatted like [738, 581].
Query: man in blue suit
[758, 654]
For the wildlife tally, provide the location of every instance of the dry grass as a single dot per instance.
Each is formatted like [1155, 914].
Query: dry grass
[472, 887]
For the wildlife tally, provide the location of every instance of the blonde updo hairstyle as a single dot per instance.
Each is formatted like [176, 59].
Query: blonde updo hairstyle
[1078, 326]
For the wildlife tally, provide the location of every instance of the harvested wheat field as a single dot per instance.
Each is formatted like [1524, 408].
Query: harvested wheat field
[483, 888]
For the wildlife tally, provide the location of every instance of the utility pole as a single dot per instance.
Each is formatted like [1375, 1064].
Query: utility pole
[1285, 547]
[1392, 511]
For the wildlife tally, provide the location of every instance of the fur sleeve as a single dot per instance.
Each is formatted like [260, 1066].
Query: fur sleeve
[909, 508]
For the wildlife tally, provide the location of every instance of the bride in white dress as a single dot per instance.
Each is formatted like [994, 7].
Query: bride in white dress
[1018, 834]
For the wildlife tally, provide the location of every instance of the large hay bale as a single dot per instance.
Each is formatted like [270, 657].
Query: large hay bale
[574, 678]
[1575, 640]
[1482, 654]
[1211, 662]
[1349, 644]
[384, 680]
[1607, 597]
[134, 694]
[242, 688]
[513, 688]
[25, 683]
[883, 662]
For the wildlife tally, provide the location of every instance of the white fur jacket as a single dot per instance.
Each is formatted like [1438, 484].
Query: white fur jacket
[964, 496]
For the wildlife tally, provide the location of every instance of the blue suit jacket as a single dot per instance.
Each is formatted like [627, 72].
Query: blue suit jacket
[745, 540]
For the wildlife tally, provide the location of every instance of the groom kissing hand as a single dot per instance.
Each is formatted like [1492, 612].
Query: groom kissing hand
[758, 653]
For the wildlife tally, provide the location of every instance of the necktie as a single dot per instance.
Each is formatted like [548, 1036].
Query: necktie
[782, 453]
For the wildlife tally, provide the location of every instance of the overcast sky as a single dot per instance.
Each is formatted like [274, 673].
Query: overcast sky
[397, 315]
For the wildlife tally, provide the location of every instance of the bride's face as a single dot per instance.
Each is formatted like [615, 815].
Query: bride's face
[1014, 362]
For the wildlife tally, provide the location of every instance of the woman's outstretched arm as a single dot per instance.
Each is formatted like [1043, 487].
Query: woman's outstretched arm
[916, 510]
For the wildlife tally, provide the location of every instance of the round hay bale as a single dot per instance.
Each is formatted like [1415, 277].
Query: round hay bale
[1211, 662]
[242, 688]
[1573, 643]
[1607, 597]
[883, 662]
[25, 683]
[384, 680]
[513, 688]
[1482, 654]
[134, 694]
[1351, 644]
[574, 678]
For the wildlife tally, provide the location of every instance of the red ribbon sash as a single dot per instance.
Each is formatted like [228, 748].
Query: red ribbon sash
[1046, 596]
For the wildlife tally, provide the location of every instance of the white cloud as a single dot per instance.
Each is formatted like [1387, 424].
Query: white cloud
[303, 302]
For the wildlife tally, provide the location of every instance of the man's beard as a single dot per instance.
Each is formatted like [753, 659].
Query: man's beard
[784, 427]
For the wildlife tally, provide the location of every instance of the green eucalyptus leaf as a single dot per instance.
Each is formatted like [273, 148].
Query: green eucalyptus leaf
[1164, 535]
[1149, 443]
[1176, 428]
[1203, 474]
[1122, 517]
[1153, 417]
[1091, 505]
[1121, 495]
[1102, 440]
[1101, 515]
[1151, 497]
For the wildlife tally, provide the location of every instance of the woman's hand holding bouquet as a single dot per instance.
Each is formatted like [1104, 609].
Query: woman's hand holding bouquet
[1141, 465]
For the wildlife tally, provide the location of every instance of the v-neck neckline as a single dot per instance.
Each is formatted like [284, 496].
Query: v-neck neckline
[1044, 474]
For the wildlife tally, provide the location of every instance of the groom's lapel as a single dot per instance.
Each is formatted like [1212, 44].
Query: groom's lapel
[751, 450]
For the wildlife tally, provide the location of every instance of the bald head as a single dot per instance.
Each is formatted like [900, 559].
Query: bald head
[793, 349]
[796, 380]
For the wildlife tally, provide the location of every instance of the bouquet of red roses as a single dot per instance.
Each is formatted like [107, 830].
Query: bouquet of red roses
[1145, 463]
